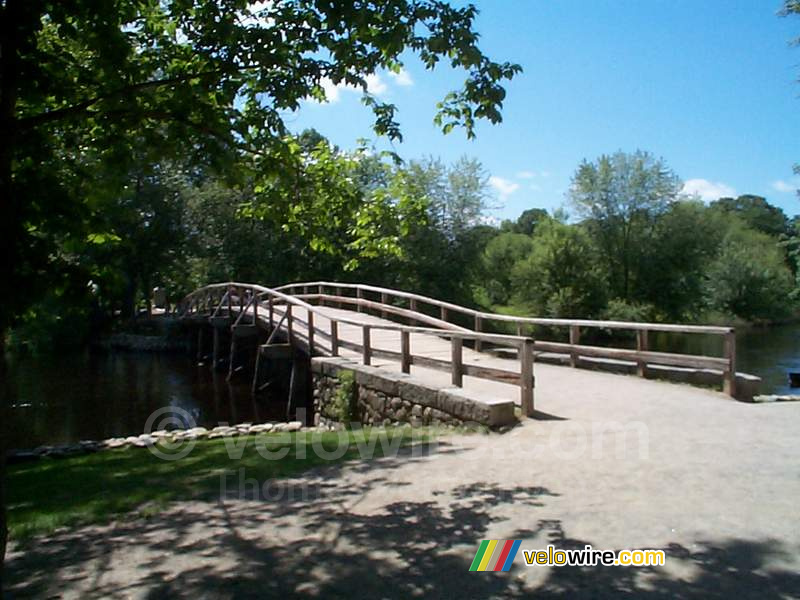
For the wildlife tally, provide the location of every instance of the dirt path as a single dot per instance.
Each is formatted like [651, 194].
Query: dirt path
[713, 482]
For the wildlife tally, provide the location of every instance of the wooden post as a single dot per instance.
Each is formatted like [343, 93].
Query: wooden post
[574, 340]
[412, 304]
[384, 300]
[405, 351]
[334, 337]
[360, 296]
[526, 377]
[289, 322]
[457, 361]
[230, 301]
[443, 313]
[321, 293]
[271, 312]
[254, 386]
[366, 348]
[519, 329]
[729, 376]
[478, 328]
[310, 333]
[231, 357]
[339, 294]
[641, 346]
[241, 299]
[255, 308]
[215, 353]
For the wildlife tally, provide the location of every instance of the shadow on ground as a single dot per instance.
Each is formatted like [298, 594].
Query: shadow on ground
[315, 541]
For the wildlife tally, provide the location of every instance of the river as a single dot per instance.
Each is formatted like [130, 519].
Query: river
[85, 395]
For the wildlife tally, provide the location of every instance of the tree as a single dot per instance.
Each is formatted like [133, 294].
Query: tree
[499, 258]
[620, 197]
[85, 83]
[561, 276]
[756, 212]
[526, 223]
[749, 278]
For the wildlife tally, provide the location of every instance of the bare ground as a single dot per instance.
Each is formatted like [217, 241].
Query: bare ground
[611, 461]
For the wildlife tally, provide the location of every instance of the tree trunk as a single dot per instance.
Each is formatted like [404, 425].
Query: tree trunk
[4, 419]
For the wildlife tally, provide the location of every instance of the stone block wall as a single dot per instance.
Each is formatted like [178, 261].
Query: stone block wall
[382, 397]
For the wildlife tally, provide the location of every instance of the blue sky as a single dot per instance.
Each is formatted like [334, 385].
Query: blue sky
[709, 86]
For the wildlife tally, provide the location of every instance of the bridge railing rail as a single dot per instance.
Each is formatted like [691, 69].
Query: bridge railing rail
[409, 305]
[236, 302]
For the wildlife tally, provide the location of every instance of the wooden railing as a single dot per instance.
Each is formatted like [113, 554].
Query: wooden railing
[276, 309]
[410, 306]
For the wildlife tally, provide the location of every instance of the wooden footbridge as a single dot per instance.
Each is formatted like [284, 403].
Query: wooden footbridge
[392, 329]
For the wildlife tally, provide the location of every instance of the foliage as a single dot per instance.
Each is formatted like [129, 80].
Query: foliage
[527, 221]
[345, 399]
[561, 276]
[619, 310]
[749, 277]
[46, 495]
[756, 212]
[500, 256]
[91, 86]
[620, 197]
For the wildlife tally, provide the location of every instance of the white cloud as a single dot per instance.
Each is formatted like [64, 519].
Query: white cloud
[707, 190]
[784, 187]
[375, 85]
[333, 91]
[503, 187]
[402, 78]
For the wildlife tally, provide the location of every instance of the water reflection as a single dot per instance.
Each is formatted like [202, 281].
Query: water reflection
[769, 352]
[84, 395]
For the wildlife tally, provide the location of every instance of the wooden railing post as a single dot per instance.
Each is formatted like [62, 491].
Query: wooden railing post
[271, 313]
[478, 329]
[289, 322]
[412, 304]
[321, 293]
[574, 340]
[405, 351]
[366, 348]
[443, 313]
[457, 361]
[729, 376]
[641, 346]
[310, 333]
[519, 329]
[339, 294]
[384, 300]
[255, 307]
[526, 376]
[360, 296]
[334, 337]
[230, 301]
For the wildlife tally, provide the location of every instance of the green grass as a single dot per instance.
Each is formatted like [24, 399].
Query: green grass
[95, 488]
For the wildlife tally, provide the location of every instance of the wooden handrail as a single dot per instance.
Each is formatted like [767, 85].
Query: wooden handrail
[574, 349]
[676, 328]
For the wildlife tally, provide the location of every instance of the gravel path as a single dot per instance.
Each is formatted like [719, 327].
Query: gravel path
[612, 461]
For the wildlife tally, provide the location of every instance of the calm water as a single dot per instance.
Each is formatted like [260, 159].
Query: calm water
[94, 396]
[769, 352]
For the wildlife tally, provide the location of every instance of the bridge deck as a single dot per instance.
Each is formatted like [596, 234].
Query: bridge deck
[559, 389]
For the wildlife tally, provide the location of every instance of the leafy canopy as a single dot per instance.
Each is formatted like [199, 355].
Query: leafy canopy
[88, 86]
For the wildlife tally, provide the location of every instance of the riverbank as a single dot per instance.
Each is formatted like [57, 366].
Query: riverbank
[46, 495]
